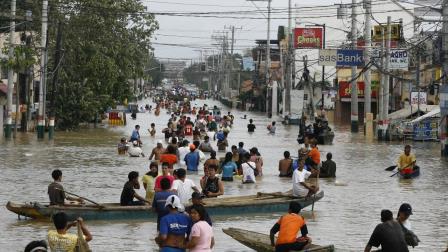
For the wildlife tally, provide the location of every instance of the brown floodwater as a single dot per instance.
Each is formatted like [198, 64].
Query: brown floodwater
[345, 217]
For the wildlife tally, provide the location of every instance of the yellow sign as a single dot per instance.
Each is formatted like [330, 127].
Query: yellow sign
[380, 30]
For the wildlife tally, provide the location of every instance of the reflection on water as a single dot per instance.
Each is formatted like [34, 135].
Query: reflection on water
[345, 217]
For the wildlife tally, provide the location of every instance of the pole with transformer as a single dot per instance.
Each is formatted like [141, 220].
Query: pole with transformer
[8, 128]
[354, 88]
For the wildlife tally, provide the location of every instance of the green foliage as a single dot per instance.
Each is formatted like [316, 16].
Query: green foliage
[105, 43]
[24, 57]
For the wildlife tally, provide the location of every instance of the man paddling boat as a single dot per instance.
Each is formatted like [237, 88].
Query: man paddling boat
[288, 226]
[56, 192]
[406, 161]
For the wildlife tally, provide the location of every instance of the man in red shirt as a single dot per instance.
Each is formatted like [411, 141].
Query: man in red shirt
[165, 174]
[288, 226]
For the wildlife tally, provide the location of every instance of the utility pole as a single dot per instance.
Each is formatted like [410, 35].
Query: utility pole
[354, 86]
[386, 78]
[12, 41]
[41, 116]
[367, 50]
[289, 58]
[386, 69]
[268, 56]
[323, 69]
[444, 87]
[57, 63]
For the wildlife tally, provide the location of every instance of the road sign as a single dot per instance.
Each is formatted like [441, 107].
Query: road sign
[341, 57]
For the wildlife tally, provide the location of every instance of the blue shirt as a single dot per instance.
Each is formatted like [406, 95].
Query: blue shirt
[175, 223]
[228, 169]
[135, 135]
[192, 161]
[159, 203]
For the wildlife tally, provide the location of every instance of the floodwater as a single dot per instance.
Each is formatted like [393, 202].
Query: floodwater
[346, 216]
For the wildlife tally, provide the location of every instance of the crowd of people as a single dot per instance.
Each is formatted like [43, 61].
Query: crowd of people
[182, 219]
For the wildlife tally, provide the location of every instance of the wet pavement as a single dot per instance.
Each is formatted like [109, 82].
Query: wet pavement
[346, 216]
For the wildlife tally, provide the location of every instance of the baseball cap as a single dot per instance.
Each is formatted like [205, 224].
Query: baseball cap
[405, 208]
[197, 195]
[174, 202]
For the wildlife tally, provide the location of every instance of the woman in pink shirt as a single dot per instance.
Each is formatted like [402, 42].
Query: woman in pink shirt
[201, 236]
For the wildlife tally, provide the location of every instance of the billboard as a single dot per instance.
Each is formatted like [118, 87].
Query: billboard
[341, 57]
[345, 89]
[308, 37]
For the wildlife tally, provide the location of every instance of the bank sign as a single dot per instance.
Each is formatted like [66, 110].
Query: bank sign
[341, 57]
[308, 38]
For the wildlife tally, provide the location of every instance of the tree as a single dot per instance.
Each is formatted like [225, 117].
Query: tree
[105, 44]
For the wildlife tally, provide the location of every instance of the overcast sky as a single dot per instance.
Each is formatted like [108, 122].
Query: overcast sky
[191, 34]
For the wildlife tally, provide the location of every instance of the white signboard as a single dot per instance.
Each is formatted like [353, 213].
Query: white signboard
[427, 12]
[297, 103]
[399, 59]
[432, 3]
[415, 98]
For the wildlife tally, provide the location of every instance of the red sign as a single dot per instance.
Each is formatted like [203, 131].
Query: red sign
[345, 89]
[308, 37]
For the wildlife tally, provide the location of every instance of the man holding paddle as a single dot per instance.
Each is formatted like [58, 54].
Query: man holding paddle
[56, 192]
[406, 161]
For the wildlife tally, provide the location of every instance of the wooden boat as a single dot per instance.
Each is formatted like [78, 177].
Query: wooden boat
[262, 243]
[415, 173]
[259, 203]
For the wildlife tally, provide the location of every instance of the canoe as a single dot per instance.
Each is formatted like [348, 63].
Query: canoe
[262, 243]
[227, 206]
[415, 173]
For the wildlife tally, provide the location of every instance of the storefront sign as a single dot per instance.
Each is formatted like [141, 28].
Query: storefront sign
[416, 100]
[345, 89]
[308, 38]
[399, 59]
[341, 57]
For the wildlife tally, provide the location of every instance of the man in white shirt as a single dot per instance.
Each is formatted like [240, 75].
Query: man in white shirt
[248, 169]
[134, 150]
[183, 187]
[183, 151]
[299, 187]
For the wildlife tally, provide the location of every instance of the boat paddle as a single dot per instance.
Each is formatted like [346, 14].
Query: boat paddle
[395, 173]
[398, 169]
[84, 198]
[391, 168]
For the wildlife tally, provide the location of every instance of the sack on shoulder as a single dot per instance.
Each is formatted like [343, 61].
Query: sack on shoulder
[411, 238]
[82, 245]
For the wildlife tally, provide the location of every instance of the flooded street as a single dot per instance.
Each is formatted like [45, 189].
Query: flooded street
[345, 217]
